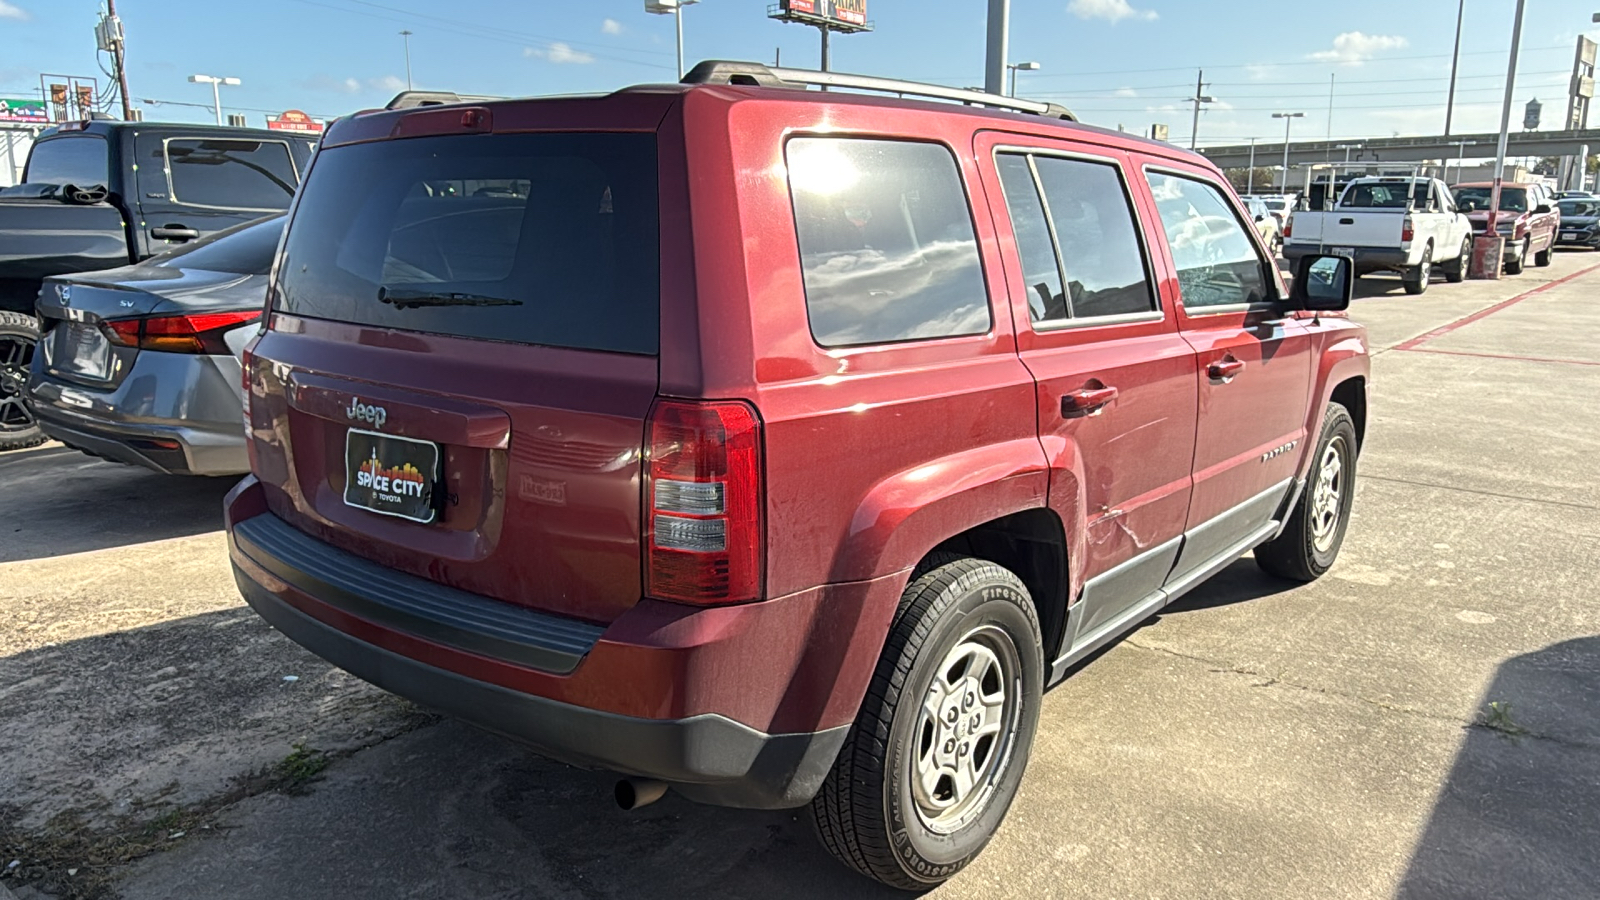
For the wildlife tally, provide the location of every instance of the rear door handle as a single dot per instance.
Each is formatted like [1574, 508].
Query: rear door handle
[1086, 401]
[174, 233]
[1224, 369]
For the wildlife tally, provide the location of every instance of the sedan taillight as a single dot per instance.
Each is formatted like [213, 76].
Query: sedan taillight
[199, 333]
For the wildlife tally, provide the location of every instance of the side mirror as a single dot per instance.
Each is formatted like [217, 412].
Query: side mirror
[1261, 217]
[1322, 283]
[1542, 208]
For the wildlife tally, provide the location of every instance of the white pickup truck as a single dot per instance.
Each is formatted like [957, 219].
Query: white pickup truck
[1388, 224]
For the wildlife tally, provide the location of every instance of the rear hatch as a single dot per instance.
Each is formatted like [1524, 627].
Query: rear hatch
[462, 355]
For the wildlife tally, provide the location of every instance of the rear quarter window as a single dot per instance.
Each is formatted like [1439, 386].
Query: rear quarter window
[81, 161]
[530, 238]
[231, 174]
[887, 247]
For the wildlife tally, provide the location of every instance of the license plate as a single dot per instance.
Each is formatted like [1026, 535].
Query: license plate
[82, 350]
[1569, 235]
[389, 475]
[1344, 251]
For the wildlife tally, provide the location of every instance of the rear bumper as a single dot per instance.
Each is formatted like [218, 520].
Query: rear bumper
[197, 452]
[737, 706]
[1367, 259]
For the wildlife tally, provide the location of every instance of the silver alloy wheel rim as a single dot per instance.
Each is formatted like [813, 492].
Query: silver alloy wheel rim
[965, 730]
[1326, 496]
[1426, 270]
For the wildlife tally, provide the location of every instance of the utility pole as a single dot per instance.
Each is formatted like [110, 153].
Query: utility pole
[1288, 119]
[999, 48]
[1455, 61]
[1505, 120]
[405, 35]
[119, 55]
[1199, 97]
[1250, 177]
[826, 61]
[1331, 77]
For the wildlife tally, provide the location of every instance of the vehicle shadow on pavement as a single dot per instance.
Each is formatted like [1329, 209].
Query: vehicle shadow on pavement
[55, 501]
[1241, 582]
[1516, 816]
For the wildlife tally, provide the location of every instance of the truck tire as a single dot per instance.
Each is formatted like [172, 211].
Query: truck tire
[1456, 272]
[1310, 540]
[1515, 263]
[1416, 280]
[1542, 258]
[941, 740]
[19, 335]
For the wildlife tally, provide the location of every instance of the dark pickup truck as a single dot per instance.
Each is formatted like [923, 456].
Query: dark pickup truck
[101, 194]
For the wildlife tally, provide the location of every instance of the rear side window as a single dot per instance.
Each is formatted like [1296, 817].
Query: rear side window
[1084, 226]
[242, 250]
[231, 174]
[81, 161]
[1216, 261]
[887, 247]
[533, 238]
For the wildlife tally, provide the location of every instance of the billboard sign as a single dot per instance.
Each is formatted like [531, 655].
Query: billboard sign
[851, 14]
[32, 111]
[294, 120]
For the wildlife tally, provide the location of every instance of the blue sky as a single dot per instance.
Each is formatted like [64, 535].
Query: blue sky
[1115, 62]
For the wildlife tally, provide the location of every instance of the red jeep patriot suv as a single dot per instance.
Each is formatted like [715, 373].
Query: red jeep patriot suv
[776, 446]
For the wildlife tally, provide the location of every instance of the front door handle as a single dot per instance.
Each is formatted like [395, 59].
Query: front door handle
[173, 233]
[1224, 369]
[1086, 401]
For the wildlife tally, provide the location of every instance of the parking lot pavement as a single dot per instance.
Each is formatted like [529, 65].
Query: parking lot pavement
[1255, 740]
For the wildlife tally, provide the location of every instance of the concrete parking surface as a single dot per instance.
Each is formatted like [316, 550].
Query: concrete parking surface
[1256, 740]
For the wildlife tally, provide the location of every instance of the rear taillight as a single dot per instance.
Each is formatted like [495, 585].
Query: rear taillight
[200, 333]
[1406, 231]
[1288, 227]
[704, 536]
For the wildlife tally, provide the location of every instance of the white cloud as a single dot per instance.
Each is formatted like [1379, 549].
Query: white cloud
[1126, 92]
[335, 85]
[558, 53]
[1353, 48]
[1112, 11]
[12, 11]
[1261, 72]
[611, 26]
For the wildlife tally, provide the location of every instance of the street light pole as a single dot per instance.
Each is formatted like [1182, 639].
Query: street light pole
[672, 8]
[1022, 66]
[406, 36]
[998, 49]
[216, 90]
[1250, 175]
[1505, 121]
[1288, 119]
[1455, 61]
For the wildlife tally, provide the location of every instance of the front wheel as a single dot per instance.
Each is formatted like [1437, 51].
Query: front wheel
[1456, 272]
[1311, 538]
[19, 335]
[1542, 258]
[1514, 264]
[941, 740]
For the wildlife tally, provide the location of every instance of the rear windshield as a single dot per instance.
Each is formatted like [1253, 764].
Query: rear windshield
[241, 250]
[80, 161]
[1474, 198]
[533, 238]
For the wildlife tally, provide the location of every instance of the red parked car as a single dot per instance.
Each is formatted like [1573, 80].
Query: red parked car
[777, 446]
[1528, 220]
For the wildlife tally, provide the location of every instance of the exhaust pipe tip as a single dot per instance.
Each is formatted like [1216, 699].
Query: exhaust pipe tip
[633, 793]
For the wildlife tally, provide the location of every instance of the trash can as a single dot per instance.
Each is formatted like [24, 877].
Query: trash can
[1488, 254]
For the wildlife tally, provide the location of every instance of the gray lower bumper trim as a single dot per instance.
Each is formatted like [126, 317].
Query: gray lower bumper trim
[708, 758]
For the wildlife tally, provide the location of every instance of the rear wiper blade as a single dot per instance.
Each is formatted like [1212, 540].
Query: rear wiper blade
[404, 299]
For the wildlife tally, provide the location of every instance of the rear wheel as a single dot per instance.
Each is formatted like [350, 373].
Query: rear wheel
[1416, 280]
[1311, 538]
[19, 335]
[1456, 272]
[939, 745]
[1515, 263]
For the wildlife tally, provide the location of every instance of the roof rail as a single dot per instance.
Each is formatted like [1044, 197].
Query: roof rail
[720, 71]
[414, 99]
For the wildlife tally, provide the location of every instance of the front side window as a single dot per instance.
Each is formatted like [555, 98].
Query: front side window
[1216, 260]
[81, 161]
[887, 247]
[231, 174]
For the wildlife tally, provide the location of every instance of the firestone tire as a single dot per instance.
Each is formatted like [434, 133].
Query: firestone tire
[1315, 531]
[954, 701]
[19, 336]
[1457, 272]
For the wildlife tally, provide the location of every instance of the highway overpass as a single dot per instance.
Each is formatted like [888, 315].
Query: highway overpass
[1407, 149]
